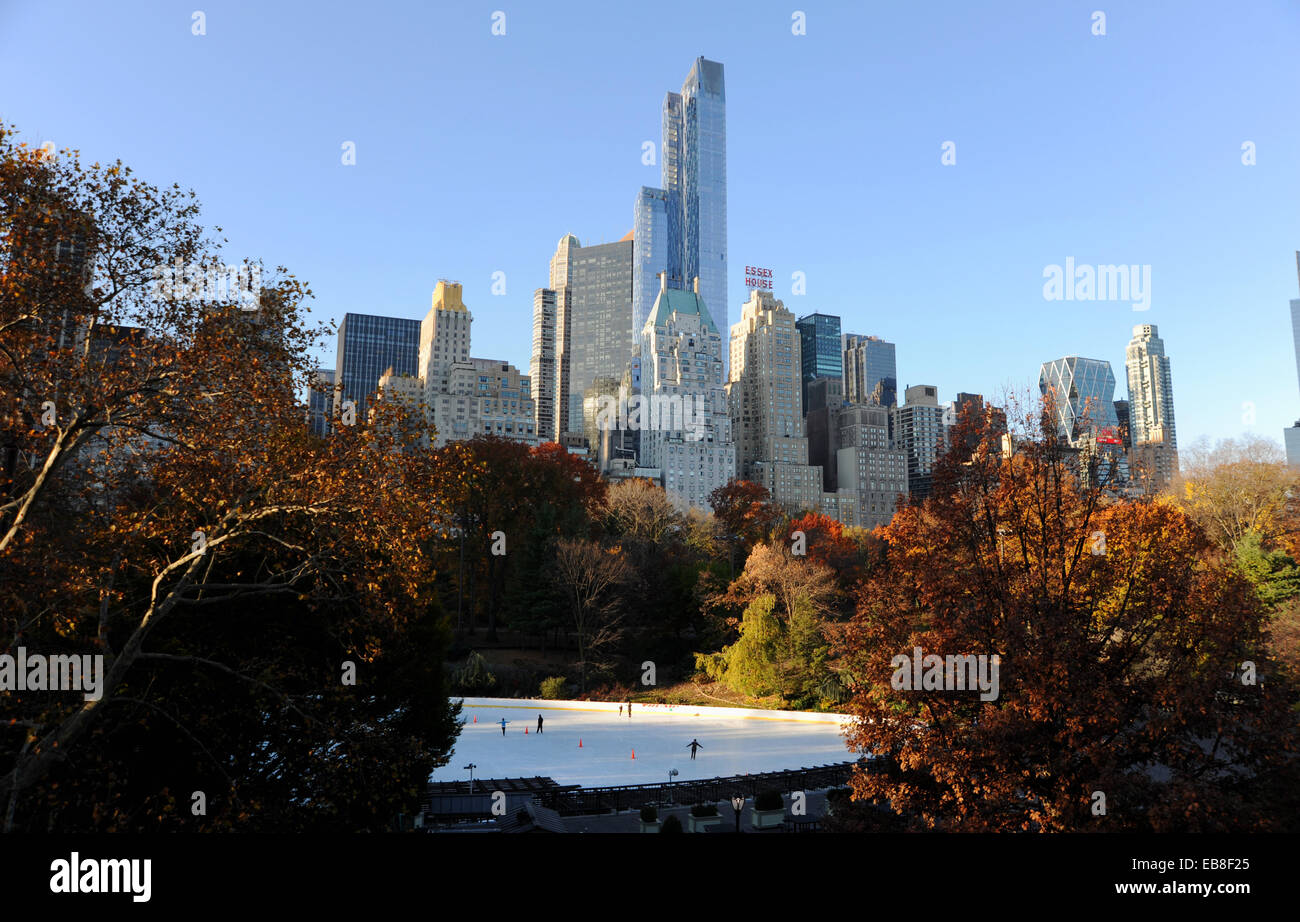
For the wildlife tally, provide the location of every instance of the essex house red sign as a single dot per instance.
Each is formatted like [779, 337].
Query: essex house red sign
[758, 278]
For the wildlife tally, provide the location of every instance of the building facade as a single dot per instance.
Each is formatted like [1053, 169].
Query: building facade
[368, 346]
[766, 405]
[821, 350]
[920, 431]
[1151, 410]
[682, 411]
[690, 211]
[541, 367]
[593, 324]
[870, 370]
[320, 398]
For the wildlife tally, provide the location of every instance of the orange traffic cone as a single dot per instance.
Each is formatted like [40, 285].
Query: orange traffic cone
[579, 744]
[525, 731]
[634, 753]
[475, 718]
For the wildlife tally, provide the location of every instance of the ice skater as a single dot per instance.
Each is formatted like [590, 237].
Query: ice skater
[539, 723]
[620, 710]
[692, 746]
[629, 710]
[503, 726]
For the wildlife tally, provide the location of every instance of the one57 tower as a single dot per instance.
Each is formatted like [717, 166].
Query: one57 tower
[681, 229]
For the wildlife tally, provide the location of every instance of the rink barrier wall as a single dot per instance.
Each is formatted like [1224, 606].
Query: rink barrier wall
[650, 710]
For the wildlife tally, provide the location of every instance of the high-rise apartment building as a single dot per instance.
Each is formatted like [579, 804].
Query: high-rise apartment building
[463, 396]
[683, 415]
[689, 214]
[541, 367]
[368, 346]
[919, 430]
[766, 405]
[1151, 409]
[821, 350]
[870, 370]
[868, 467]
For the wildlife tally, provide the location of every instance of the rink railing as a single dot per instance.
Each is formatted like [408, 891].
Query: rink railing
[612, 799]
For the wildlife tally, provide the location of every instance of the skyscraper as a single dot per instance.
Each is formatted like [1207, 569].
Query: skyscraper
[368, 346]
[1151, 409]
[444, 335]
[465, 396]
[592, 296]
[870, 370]
[690, 211]
[918, 429]
[683, 416]
[821, 352]
[766, 407]
[541, 367]
[1083, 393]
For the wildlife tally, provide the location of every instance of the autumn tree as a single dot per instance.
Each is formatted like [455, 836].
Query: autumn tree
[1130, 689]
[1237, 487]
[590, 575]
[262, 599]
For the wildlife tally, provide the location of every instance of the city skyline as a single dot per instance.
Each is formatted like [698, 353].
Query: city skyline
[1027, 190]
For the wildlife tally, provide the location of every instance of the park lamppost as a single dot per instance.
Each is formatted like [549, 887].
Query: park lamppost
[471, 766]
[738, 804]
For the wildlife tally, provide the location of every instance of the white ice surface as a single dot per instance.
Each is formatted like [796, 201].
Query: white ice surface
[731, 745]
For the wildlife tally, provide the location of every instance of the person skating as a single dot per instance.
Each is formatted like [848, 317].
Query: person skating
[539, 723]
[692, 746]
[620, 710]
[503, 726]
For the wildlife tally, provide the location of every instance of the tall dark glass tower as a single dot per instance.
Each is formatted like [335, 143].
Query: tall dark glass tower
[820, 353]
[368, 346]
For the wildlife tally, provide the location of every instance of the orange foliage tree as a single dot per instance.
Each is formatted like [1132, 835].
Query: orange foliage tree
[1133, 687]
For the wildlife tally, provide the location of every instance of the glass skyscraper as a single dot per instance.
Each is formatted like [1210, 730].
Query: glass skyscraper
[368, 346]
[1084, 392]
[588, 310]
[820, 352]
[689, 213]
[870, 371]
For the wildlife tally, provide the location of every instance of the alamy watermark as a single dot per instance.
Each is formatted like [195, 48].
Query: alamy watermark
[653, 413]
[1098, 283]
[965, 672]
[57, 672]
[190, 282]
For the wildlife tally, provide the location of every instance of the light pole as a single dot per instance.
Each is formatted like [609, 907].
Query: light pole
[737, 804]
[471, 766]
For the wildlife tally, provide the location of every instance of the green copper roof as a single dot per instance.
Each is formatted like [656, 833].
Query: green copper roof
[671, 300]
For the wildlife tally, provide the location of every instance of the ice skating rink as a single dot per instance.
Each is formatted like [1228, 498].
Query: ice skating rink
[735, 741]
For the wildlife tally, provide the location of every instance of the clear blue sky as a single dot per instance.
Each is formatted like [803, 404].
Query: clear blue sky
[476, 153]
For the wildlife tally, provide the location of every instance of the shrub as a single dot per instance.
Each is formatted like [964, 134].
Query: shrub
[474, 675]
[649, 814]
[703, 810]
[671, 824]
[769, 800]
[553, 686]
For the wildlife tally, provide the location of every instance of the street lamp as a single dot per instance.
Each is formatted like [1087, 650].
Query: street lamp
[471, 766]
[737, 804]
